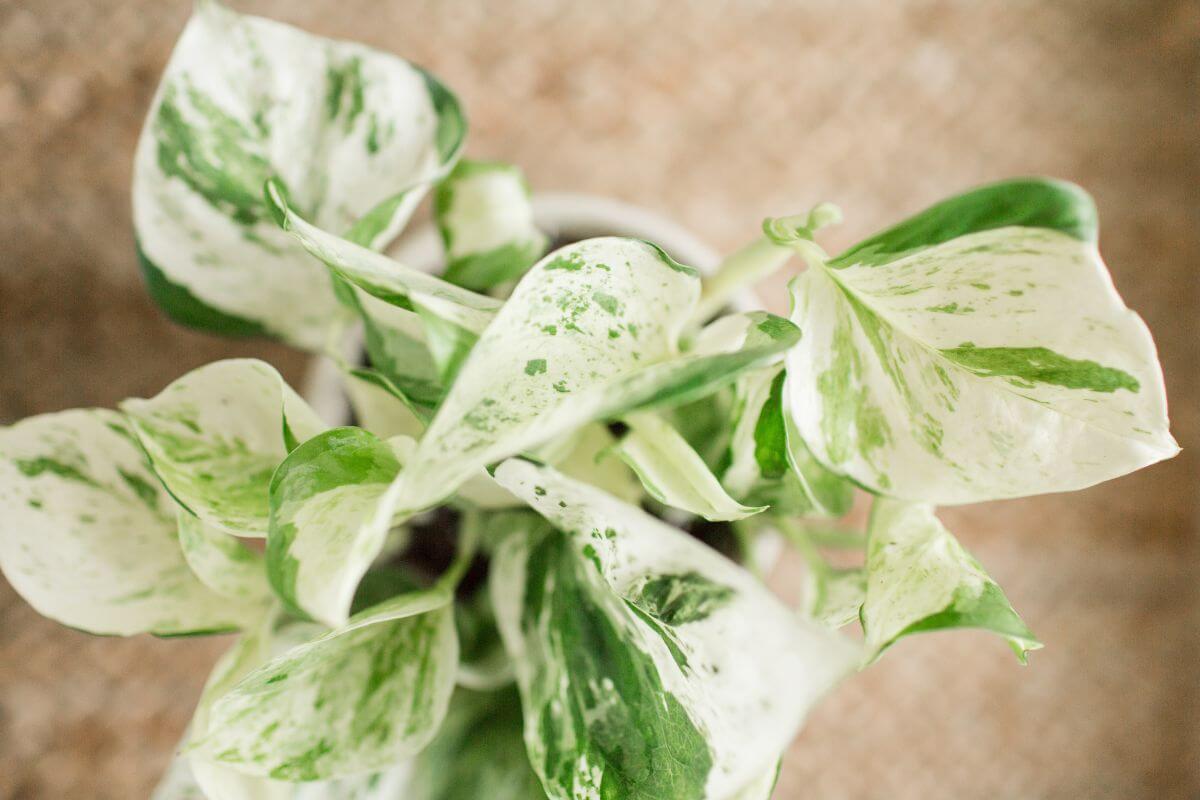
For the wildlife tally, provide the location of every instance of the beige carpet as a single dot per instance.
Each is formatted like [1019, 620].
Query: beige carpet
[717, 113]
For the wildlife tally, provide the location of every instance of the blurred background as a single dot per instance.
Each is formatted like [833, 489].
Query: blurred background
[717, 114]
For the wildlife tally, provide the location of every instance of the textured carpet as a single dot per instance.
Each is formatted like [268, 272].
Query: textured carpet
[716, 113]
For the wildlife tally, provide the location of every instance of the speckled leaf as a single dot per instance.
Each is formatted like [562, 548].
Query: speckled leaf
[87, 534]
[356, 135]
[222, 562]
[486, 221]
[977, 351]
[649, 666]
[580, 319]
[768, 462]
[327, 520]
[215, 436]
[271, 639]
[919, 578]
[588, 334]
[362, 697]
[673, 473]
[478, 753]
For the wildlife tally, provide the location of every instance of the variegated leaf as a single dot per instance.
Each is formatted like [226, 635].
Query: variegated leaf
[380, 407]
[87, 534]
[588, 334]
[977, 351]
[356, 135]
[584, 316]
[327, 521]
[919, 578]
[768, 461]
[673, 473]
[486, 221]
[380, 276]
[216, 781]
[217, 434]
[649, 665]
[222, 562]
[834, 597]
[363, 697]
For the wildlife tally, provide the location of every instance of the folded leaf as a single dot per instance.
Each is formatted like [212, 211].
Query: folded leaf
[380, 407]
[768, 461]
[327, 520]
[222, 562]
[977, 351]
[919, 578]
[486, 221]
[588, 334]
[649, 666]
[88, 536]
[216, 435]
[380, 276]
[673, 473]
[356, 135]
[478, 753]
[360, 698]
[583, 316]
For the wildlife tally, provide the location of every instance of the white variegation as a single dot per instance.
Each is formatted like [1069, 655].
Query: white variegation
[360, 698]
[222, 562]
[581, 318]
[919, 578]
[328, 521]
[673, 473]
[379, 411]
[751, 669]
[382, 277]
[834, 597]
[216, 435]
[356, 135]
[486, 221]
[1001, 363]
[87, 534]
[192, 775]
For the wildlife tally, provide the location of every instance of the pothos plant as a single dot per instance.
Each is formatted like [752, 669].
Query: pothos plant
[503, 583]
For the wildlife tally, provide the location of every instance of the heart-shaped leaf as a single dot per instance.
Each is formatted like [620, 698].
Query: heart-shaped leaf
[216, 435]
[356, 135]
[88, 535]
[649, 666]
[977, 351]
[919, 578]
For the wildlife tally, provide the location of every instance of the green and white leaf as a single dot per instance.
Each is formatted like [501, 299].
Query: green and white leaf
[356, 136]
[582, 317]
[919, 578]
[398, 348]
[486, 222]
[360, 698]
[216, 435]
[588, 334]
[834, 597]
[327, 521]
[673, 473]
[382, 277]
[215, 781]
[977, 351]
[88, 535]
[478, 753]
[649, 665]
[768, 462]
[222, 562]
